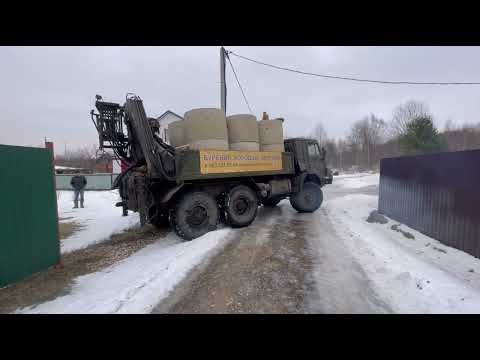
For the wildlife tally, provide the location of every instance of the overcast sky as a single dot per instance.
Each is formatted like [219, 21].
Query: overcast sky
[49, 91]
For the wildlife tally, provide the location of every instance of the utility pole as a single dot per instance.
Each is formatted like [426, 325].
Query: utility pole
[223, 85]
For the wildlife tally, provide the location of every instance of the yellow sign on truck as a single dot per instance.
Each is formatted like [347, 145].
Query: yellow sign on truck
[224, 161]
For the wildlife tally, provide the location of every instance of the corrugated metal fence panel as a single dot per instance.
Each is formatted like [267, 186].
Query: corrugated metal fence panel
[436, 194]
[102, 181]
[28, 215]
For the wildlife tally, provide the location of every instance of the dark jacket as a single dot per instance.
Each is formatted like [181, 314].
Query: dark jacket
[78, 182]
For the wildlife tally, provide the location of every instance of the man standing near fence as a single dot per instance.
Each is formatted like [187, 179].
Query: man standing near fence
[78, 183]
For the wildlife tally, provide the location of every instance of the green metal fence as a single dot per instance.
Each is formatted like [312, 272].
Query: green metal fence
[94, 181]
[29, 239]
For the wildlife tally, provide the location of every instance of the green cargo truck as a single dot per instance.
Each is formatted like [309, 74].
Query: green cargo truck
[192, 190]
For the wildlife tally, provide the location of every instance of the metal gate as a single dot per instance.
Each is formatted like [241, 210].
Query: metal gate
[436, 194]
[29, 239]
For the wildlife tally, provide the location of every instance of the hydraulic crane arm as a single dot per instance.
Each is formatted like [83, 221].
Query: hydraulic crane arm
[140, 146]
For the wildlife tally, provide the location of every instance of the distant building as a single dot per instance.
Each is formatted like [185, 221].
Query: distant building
[166, 118]
[104, 163]
[59, 170]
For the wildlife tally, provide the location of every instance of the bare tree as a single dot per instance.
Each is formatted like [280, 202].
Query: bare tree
[332, 153]
[354, 142]
[370, 139]
[365, 136]
[404, 113]
[341, 149]
[465, 137]
[450, 125]
[84, 157]
[376, 135]
[320, 134]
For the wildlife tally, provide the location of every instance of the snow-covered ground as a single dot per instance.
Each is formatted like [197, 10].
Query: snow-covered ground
[138, 283]
[418, 275]
[135, 284]
[356, 181]
[99, 218]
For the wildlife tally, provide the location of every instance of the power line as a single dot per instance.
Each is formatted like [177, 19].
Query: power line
[239, 85]
[350, 78]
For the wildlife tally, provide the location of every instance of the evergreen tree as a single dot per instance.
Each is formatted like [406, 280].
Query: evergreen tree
[422, 137]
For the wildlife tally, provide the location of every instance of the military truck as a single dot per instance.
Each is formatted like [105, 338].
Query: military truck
[193, 190]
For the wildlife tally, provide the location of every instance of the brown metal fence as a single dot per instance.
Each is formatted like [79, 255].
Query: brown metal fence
[436, 194]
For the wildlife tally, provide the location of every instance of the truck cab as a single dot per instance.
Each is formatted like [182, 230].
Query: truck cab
[309, 174]
[310, 161]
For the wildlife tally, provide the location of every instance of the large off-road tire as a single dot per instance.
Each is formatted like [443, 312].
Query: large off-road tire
[241, 205]
[195, 214]
[271, 202]
[309, 199]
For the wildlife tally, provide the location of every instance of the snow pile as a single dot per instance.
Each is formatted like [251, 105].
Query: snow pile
[356, 181]
[136, 284]
[418, 275]
[99, 219]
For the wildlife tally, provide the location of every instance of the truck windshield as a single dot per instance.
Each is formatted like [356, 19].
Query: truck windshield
[313, 150]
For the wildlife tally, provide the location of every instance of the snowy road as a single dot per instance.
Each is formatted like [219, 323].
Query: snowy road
[342, 285]
[265, 268]
[284, 262]
[332, 261]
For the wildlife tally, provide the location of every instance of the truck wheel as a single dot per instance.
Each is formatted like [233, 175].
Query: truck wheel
[309, 199]
[195, 214]
[241, 206]
[271, 202]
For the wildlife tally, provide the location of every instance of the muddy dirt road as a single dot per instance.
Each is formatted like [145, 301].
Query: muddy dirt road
[283, 263]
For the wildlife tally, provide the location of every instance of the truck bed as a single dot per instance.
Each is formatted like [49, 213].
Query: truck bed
[214, 164]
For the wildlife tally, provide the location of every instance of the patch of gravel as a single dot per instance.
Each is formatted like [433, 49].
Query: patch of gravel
[56, 281]
[251, 276]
